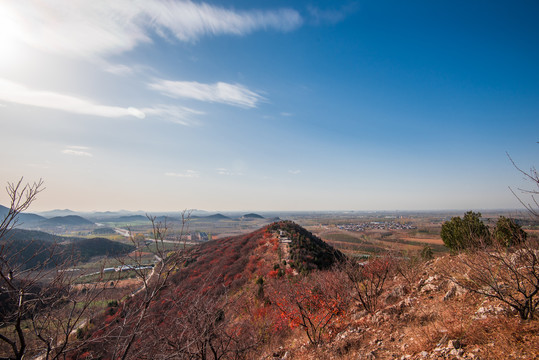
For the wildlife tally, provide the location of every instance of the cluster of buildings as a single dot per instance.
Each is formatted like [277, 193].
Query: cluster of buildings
[199, 236]
[377, 225]
[126, 268]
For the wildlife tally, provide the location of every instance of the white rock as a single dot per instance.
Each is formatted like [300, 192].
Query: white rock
[428, 288]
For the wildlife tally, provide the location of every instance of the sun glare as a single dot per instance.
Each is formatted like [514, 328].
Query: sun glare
[10, 49]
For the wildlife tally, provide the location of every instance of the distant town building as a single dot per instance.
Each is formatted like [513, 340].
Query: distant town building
[377, 225]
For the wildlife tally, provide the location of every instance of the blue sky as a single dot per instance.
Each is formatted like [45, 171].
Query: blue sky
[269, 105]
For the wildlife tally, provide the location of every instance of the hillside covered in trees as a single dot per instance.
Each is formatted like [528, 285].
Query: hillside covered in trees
[282, 293]
[217, 298]
[29, 248]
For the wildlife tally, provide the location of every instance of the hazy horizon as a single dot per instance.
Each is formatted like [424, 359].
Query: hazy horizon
[269, 105]
[272, 211]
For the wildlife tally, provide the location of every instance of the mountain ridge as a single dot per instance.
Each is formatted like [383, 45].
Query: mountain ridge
[33, 247]
[28, 219]
[68, 220]
[210, 273]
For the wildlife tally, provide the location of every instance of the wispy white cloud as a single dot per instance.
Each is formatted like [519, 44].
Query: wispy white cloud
[126, 70]
[231, 94]
[177, 114]
[188, 21]
[77, 151]
[98, 28]
[227, 172]
[119, 69]
[78, 147]
[223, 171]
[294, 172]
[286, 114]
[186, 174]
[20, 94]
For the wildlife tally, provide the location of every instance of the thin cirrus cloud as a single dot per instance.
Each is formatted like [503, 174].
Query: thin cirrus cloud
[20, 94]
[177, 114]
[91, 29]
[224, 171]
[227, 172]
[294, 172]
[77, 151]
[186, 174]
[119, 69]
[220, 92]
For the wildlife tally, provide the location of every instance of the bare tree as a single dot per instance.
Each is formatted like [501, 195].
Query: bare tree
[533, 176]
[39, 307]
[510, 275]
[133, 315]
[21, 196]
[176, 314]
[68, 308]
[15, 292]
[202, 322]
[410, 267]
[507, 269]
[368, 280]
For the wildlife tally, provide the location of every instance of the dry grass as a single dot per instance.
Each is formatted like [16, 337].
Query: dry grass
[421, 321]
[430, 241]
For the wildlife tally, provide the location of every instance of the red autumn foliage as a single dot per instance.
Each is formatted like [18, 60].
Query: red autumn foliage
[312, 302]
[199, 310]
[368, 280]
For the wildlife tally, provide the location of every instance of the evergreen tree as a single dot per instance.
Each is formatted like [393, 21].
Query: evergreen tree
[508, 232]
[468, 232]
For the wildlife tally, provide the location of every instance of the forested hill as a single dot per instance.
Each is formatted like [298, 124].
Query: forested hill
[31, 247]
[23, 218]
[240, 257]
[28, 220]
[68, 220]
[252, 216]
[307, 251]
[208, 291]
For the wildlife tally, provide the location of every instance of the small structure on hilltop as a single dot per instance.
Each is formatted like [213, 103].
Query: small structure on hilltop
[283, 237]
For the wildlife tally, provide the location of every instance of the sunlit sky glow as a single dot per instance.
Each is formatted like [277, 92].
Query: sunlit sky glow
[269, 105]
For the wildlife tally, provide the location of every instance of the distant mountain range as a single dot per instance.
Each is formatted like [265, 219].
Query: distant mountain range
[58, 212]
[32, 221]
[70, 218]
[22, 218]
[171, 218]
[117, 216]
[219, 217]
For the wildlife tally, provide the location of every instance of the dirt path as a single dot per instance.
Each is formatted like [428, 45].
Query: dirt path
[285, 251]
